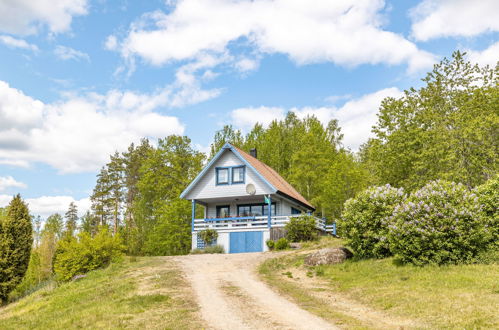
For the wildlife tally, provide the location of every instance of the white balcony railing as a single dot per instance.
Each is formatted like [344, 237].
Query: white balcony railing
[257, 222]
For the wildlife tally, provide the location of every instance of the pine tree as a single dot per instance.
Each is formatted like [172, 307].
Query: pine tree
[16, 240]
[71, 219]
[102, 202]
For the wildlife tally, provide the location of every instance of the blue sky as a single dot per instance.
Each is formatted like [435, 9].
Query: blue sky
[80, 79]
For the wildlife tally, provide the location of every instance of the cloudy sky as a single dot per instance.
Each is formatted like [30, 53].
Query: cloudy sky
[80, 79]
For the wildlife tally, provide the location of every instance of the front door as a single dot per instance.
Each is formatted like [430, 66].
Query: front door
[247, 241]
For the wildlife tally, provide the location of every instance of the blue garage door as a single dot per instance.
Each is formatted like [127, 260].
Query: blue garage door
[249, 241]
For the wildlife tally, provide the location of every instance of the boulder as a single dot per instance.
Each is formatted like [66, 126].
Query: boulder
[295, 245]
[328, 256]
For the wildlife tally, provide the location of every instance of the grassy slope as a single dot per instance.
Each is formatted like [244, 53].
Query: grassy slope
[149, 293]
[464, 296]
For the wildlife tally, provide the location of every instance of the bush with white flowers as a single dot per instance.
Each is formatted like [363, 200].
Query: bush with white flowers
[438, 224]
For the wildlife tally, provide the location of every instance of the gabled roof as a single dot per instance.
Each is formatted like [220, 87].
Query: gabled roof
[265, 172]
[274, 178]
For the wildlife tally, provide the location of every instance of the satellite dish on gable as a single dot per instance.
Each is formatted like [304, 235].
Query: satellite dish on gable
[250, 189]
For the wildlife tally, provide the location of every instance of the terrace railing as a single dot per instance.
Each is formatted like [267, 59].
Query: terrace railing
[255, 222]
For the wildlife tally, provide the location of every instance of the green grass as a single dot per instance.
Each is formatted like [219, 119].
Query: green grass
[462, 296]
[149, 293]
[458, 296]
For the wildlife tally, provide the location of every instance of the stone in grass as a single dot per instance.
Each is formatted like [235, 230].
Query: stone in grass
[78, 277]
[328, 256]
[295, 245]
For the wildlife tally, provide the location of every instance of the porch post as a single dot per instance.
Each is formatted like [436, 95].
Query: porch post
[193, 214]
[269, 205]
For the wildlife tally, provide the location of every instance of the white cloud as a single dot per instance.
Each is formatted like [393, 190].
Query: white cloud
[451, 18]
[246, 118]
[488, 56]
[17, 43]
[45, 206]
[77, 134]
[68, 53]
[356, 117]
[29, 16]
[9, 182]
[111, 43]
[347, 33]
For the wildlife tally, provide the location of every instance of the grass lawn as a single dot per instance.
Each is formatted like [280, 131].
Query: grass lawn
[149, 293]
[464, 296]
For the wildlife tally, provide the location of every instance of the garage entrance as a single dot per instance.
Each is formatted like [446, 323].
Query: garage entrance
[248, 241]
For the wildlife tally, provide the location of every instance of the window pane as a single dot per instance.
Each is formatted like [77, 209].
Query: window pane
[238, 174]
[256, 210]
[266, 208]
[222, 212]
[223, 175]
[243, 211]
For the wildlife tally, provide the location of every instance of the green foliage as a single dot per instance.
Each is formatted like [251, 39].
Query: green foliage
[31, 279]
[16, 240]
[79, 256]
[226, 134]
[171, 235]
[488, 202]
[54, 225]
[364, 220]
[281, 244]
[71, 219]
[448, 129]
[209, 250]
[301, 228]
[208, 236]
[163, 220]
[438, 224]
[270, 244]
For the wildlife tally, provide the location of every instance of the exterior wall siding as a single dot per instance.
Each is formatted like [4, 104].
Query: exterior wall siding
[207, 188]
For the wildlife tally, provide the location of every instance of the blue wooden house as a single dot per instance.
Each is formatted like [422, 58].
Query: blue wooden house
[244, 200]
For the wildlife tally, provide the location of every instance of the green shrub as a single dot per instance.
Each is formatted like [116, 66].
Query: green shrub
[214, 249]
[281, 244]
[79, 256]
[16, 240]
[488, 203]
[363, 221]
[208, 236]
[438, 224]
[209, 250]
[270, 244]
[301, 228]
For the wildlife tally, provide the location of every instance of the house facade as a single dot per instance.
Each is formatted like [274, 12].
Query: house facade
[244, 200]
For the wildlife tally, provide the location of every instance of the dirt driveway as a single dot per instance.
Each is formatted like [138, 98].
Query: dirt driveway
[231, 296]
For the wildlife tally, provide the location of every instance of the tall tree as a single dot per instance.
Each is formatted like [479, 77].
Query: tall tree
[55, 225]
[102, 201]
[37, 224]
[115, 172]
[16, 241]
[164, 174]
[71, 219]
[448, 129]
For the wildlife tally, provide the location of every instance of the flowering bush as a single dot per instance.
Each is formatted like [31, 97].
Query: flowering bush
[363, 221]
[438, 224]
[488, 202]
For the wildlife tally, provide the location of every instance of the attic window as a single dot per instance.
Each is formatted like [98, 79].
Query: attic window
[222, 175]
[238, 174]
